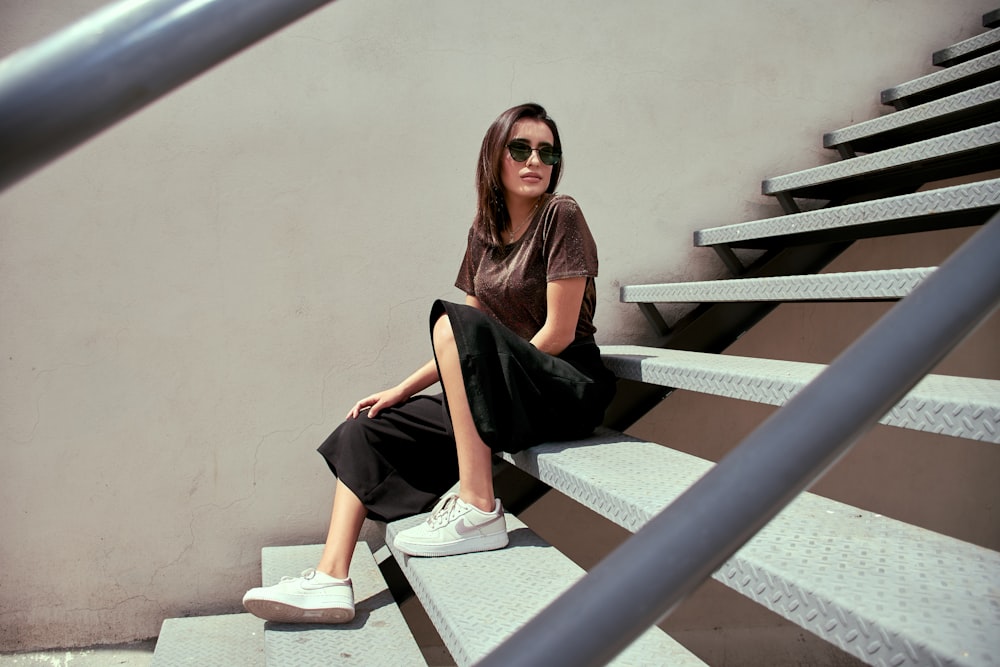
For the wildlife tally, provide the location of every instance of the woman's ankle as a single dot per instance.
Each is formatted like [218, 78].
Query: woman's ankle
[480, 502]
[337, 572]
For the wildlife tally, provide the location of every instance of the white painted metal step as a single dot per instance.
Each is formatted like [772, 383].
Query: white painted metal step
[969, 74]
[887, 284]
[949, 405]
[968, 49]
[887, 592]
[973, 203]
[955, 154]
[478, 600]
[378, 635]
[950, 114]
[234, 639]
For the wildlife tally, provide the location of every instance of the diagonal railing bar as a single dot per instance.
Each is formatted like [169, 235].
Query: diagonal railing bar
[63, 90]
[652, 572]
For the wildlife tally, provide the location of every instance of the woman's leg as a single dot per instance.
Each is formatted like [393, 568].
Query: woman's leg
[326, 594]
[345, 528]
[475, 460]
[474, 521]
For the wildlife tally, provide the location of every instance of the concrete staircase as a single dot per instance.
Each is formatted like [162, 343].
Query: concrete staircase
[885, 592]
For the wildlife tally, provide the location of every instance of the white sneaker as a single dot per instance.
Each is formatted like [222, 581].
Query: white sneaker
[455, 527]
[315, 597]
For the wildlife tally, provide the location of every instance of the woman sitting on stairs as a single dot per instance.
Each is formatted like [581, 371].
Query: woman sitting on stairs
[517, 363]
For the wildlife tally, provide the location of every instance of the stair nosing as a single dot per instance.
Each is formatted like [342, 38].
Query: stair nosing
[962, 49]
[898, 120]
[778, 567]
[969, 196]
[936, 148]
[940, 78]
[962, 407]
[465, 591]
[853, 285]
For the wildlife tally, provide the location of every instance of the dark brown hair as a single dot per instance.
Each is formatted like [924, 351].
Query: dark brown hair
[492, 217]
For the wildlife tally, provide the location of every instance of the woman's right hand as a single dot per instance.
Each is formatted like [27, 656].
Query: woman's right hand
[378, 402]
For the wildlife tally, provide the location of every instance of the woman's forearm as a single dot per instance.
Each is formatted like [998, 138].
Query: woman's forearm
[420, 379]
[550, 341]
[563, 299]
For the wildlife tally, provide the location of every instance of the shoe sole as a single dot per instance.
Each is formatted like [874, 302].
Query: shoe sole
[468, 546]
[279, 612]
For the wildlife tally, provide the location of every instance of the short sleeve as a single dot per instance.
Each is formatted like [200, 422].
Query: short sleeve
[466, 280]
[568, 245]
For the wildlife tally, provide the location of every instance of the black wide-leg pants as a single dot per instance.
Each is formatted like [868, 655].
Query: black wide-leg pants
[400, 462]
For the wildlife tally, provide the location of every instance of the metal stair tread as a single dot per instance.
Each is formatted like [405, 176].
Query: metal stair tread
[378, 635]
[856, 285]
[957, 406]
[968, 48]
[948, 114]
[478, 600]
[853, 218]
[230, 639]
[972, 147]
[938, 84]
[858, 579]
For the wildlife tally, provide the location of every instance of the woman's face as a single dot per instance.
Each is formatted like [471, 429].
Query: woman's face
[529, 179]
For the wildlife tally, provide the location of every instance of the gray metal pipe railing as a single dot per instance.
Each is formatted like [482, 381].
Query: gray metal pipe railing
[652, 572]
[65, 89]
[60, 92]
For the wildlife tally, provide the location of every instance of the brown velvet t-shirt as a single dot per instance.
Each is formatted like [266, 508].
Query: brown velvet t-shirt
[511, 282]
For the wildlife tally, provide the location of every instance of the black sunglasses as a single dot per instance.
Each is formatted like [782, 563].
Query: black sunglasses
[521, 151]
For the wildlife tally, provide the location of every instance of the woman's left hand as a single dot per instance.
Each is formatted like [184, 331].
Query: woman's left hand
[378, 402]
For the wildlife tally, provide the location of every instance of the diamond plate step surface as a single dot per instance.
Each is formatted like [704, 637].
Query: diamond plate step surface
[854, 286]
[969, 74]
[957, 154]
[971, 204]
[478, 600]
[956, 406]
[884, 591]
[950, 114]
[377, 636]
[233, 639]
[967, 49]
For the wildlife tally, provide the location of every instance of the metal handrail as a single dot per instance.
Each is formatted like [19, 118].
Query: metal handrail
[62, 91]
[65, 89]
[653, 571]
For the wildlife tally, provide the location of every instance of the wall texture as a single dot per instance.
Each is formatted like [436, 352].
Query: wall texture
[192, 300]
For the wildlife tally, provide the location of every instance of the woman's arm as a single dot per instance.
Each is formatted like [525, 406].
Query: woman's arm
[562, 312]
[419, 380]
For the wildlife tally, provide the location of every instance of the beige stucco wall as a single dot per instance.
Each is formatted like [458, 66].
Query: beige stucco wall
[192, 300]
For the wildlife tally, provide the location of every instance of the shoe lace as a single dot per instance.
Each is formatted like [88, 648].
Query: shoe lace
[443, 511]
[306, 574]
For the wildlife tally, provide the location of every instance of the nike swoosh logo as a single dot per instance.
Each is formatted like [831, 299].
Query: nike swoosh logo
[463, 527]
